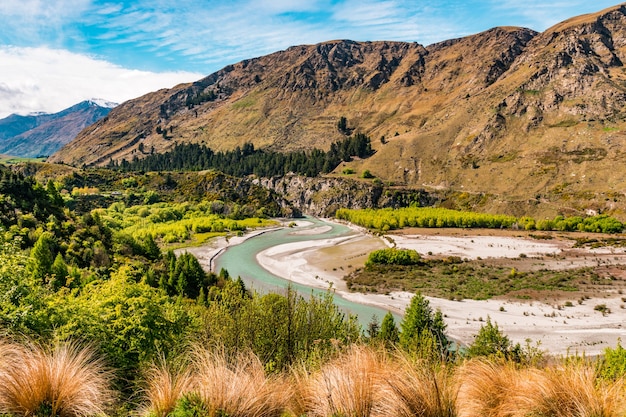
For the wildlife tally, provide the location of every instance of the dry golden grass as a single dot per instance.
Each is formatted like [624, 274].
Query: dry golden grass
[369, 382]
[501, 389]
[572, 390]
[351, 385]
[237, 386]
[64, 381]
[418, 388]
[165, 385]
[490, 389]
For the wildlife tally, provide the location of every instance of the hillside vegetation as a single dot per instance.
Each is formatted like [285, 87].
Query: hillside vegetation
[97, 318]
[534, 121]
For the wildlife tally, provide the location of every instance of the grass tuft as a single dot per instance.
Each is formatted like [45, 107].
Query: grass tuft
[418, 388]
[237, 386]
[65, 381]
[572, 390]
[165, 386]
[351, 385]
[490, 388]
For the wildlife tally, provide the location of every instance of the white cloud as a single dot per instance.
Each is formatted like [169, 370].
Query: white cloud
[50, 80]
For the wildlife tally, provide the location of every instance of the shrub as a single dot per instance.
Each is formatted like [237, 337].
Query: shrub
[490, 341]
[392, 256]
[602, 308]
[613, 364]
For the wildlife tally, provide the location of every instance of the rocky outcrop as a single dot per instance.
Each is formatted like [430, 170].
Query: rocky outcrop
[323, 196]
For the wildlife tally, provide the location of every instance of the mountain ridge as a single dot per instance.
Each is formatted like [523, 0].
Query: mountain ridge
[509, 111]
[38, 134]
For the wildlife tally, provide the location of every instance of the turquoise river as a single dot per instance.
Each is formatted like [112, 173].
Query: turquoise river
[240, 260]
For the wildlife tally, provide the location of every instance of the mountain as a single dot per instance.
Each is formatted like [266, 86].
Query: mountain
[521, 117]
[43, 134]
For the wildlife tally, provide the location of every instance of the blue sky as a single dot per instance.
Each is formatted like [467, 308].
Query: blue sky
[54, 53]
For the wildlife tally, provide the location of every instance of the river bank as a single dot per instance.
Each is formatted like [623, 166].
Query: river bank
[322, 262]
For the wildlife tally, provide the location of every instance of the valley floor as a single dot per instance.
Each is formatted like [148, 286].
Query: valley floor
[558, 329]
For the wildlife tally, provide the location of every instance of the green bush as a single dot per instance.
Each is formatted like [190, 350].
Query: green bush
[613, 364]
[392, 256]
[491, 342]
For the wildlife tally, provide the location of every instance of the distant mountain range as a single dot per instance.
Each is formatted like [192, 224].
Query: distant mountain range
[42, 134]
[520, 118]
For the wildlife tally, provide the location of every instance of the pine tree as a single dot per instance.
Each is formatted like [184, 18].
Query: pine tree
[388, 330]
[373, 328]
[420, 325]
[41, 259]
[59, 272]
[151, 249]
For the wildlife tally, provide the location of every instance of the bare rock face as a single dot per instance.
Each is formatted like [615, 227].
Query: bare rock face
[323, 196]
[507, 111]
[575, 68]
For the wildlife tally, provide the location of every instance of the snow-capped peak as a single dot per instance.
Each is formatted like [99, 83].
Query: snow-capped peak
[103, 103]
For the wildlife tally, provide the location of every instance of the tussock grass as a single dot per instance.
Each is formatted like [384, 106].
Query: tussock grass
[165, 385]
[491, 389]
[503, 389]
[237, 386]
[66, 380]
[351, 385]
[572, 390]
[418, 388]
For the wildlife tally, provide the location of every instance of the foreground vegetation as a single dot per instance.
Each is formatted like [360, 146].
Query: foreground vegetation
[391, 219]
[96, 318]
[66, 380]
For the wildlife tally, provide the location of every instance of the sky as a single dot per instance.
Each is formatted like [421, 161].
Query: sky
[56, 53]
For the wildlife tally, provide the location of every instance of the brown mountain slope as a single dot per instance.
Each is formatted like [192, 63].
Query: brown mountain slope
[507, 111]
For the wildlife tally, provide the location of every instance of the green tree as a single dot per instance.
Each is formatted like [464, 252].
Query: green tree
[280, 329]
[342, 125]
[59, 272]
[373, 328]
[420, 324]
[151, 249]
[19, 295]
[130, 321]
[53, 194]
[41, 258]
[388, 330]
[490, 341]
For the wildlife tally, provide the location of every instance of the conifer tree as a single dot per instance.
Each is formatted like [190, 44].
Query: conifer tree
[421, 324]
[41, 259]
[388, 330]
[59, 272]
